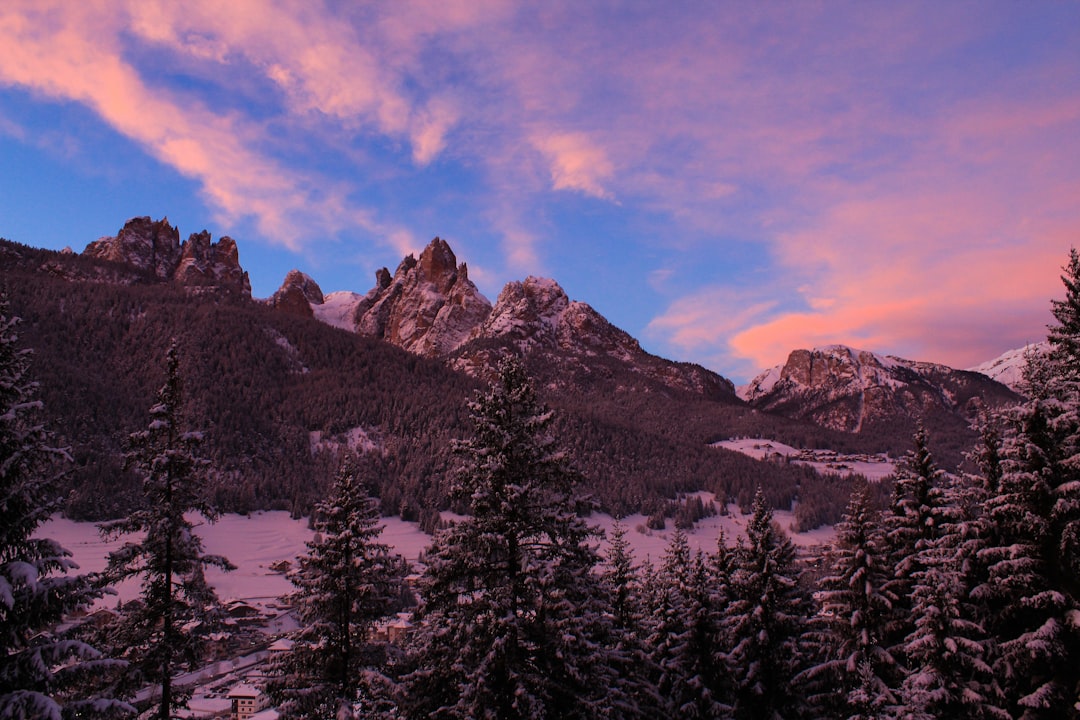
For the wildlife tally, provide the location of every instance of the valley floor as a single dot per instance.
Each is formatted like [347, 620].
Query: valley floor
[258, 541]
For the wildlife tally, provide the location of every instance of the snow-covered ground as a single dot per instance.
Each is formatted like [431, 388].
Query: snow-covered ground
[824, 461]
[254, 543]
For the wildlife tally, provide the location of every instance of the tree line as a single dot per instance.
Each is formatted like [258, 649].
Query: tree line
[260, 383]
[960, 599]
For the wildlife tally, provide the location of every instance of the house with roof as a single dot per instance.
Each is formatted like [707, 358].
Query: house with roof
[246, 700]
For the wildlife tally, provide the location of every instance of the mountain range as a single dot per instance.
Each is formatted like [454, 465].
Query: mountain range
[388, 373]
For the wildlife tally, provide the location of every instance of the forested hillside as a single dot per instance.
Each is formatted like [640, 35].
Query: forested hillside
[262, 384]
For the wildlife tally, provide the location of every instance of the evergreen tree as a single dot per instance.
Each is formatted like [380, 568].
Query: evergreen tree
[682, 635]
[632, 663]
[346, 582]
[1033, 563]
[621, 580]
[160, 635]
[856, 675]
[766, 620]
[947, 650]
[913, 523]
[1064, 336]
[39, 668]
[513, 621]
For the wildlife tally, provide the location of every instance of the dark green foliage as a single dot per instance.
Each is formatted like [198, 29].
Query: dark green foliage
[42, 671]
[162, 633]
[345, 584]
[513, 620]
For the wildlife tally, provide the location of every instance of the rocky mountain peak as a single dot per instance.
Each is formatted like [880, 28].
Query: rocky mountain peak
[298, 292]
[537, 318]
[153, 247]
[847, 389]
[438, 265]
[529, 309]
[428, 307]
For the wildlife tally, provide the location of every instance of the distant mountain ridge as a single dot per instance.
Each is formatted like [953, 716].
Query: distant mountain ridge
[1008, 368]
[277, 389]
[431, 308]
[852, 390]
[279, 394]
[153, 248]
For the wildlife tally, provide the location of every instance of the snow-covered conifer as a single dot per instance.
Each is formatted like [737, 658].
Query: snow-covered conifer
[766, 620]
[682, 637]
[1064, 335]
[514, 621]
[855, 675]
[345, 584]
[913, 522]
[1033, 565]
[161, 634]
[38, 666]
[626, 597]
[949, 676]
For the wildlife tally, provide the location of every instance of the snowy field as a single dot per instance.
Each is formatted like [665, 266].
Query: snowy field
[869, 467]
[254, 543]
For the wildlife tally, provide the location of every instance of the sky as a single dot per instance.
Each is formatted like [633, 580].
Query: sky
[726, 181]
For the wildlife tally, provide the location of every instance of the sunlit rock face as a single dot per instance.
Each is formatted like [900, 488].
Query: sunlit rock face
[429, 306]
[846, 389]
[297, 295]
[153, 247]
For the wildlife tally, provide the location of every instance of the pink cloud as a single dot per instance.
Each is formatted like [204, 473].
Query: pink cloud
[71, 53]
[576, 163]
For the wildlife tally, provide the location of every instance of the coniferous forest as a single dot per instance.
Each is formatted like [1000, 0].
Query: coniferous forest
[960, 598]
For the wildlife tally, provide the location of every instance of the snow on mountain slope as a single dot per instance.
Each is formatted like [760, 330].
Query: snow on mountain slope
[845, 389]
[338, 309]
[1008, 368]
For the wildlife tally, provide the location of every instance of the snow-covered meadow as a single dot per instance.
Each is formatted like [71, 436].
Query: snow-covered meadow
[256, 542]
[824, 461]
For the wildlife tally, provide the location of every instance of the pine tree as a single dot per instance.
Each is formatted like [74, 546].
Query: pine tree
[158, 634]
[38, 666]
[856, 676]
[513, 620]
[632, 664]
[1033, 565]
[345, 583]
[913, 523]
[682, 637]
[766, 620]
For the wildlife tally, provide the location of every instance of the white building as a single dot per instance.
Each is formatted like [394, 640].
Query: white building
[246, 701]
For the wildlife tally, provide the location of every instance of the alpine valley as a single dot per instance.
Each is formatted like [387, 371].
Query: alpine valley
[280, 387]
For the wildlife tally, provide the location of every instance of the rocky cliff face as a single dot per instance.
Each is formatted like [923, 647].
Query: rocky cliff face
[153, 249]
[429, 306]
[849, 390]
[576, 343]
[297, 295]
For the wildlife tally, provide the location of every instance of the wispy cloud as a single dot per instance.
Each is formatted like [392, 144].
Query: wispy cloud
[76, 53]
[903, 175]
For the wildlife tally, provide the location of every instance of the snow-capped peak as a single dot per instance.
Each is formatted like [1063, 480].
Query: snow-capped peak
[1008, 368]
